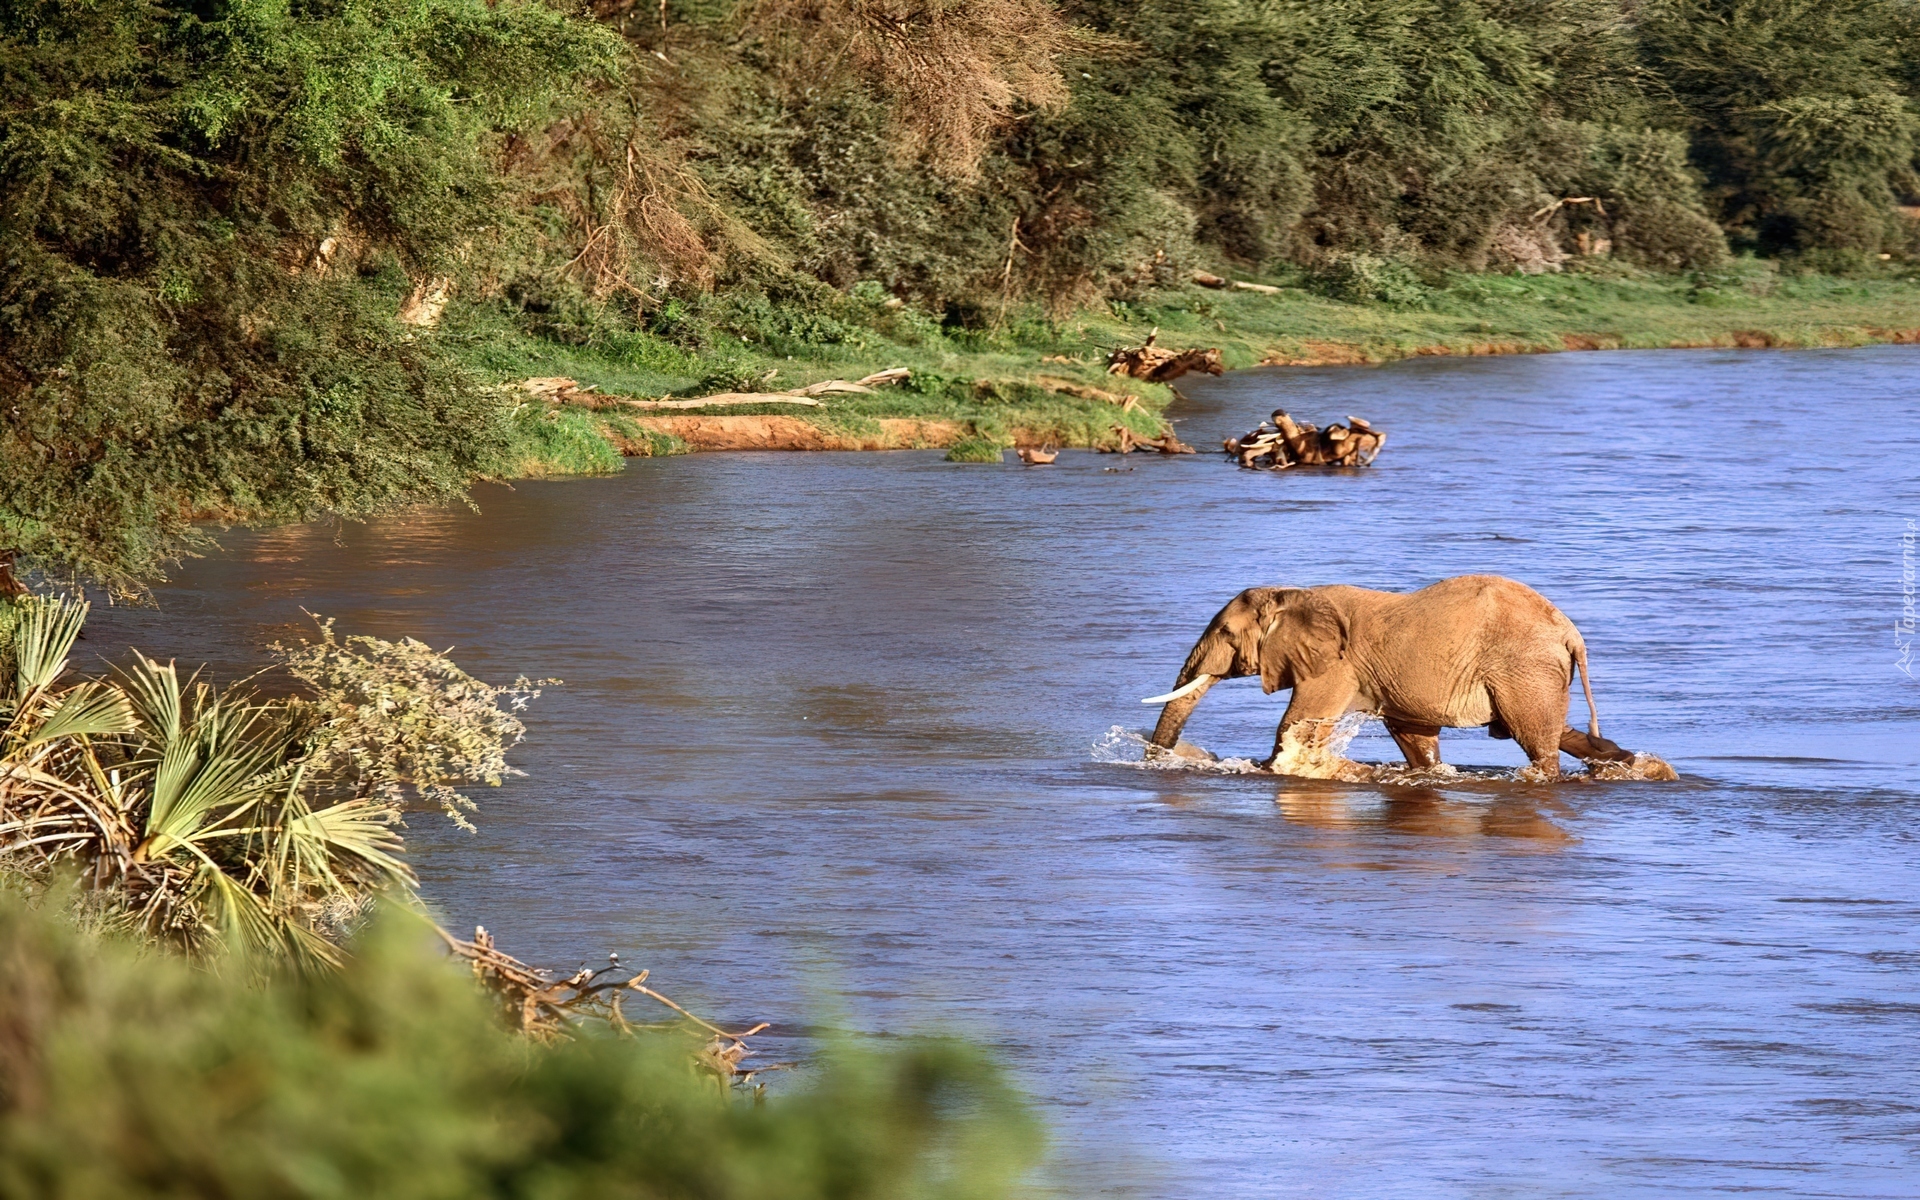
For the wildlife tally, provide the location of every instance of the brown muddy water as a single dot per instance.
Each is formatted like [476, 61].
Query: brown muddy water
[833, 749]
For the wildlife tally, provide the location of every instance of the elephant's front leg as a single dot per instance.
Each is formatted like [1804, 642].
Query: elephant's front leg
[1420, 744]
[1300, 743]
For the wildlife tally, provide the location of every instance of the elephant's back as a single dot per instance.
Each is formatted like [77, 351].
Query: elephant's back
[1469, 634]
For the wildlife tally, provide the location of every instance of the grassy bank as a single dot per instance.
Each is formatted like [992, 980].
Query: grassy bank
[1021, 378]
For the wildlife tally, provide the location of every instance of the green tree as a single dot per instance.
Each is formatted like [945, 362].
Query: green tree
[213, 210]
[1801, 114]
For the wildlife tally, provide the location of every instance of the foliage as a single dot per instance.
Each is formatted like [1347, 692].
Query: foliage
[1360, 278]
[216, 212]
[130, 1074]
[212, 819]
[1803, 115]
[395, 722]
[975, 450]
[213, 213]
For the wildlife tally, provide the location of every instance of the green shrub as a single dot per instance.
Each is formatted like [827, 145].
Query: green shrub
[975, 450]
[1361, 278]
[130, 1074]
[562, 441]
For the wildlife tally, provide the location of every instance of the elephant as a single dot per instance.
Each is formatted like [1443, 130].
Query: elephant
[1470, 651]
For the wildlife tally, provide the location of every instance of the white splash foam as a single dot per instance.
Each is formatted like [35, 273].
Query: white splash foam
[1302, 758]
[1643, 766]
[1125, 748]
[1318, 750]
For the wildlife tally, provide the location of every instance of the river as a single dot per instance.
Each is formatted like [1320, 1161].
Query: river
[831, 746]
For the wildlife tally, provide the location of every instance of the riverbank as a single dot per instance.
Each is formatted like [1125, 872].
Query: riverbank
[1024, 380]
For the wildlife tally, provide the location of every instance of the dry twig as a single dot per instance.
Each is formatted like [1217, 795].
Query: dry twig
[548, 1009]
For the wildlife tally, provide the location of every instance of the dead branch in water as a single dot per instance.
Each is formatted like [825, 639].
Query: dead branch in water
[1126, 441]
[550, 1010]
[1157, 365]
[1283, 442]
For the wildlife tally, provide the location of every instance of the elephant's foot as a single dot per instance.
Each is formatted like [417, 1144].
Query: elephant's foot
[1182, 749]
[1540, 770]
[1590, 749]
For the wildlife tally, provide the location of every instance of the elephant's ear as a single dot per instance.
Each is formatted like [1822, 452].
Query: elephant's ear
[1307, 638]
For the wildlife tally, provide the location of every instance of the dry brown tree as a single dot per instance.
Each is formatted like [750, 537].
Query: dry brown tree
[952, 71]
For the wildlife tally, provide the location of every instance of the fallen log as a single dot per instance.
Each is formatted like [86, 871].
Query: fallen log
[1208, 279]
[1283, 442]
[549, 1010]
[561, 390]
[1158, 365]
[1081, 391]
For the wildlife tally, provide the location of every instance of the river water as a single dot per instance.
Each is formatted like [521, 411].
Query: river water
[830, 750]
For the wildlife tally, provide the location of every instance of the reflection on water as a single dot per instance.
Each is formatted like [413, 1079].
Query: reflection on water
[823, 753]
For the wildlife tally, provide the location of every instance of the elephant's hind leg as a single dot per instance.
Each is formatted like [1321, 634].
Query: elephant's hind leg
[1420, 744]
[1534, 726]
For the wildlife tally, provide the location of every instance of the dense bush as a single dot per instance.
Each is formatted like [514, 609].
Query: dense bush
[1802, 116]
[130, 1074]
[213, 212]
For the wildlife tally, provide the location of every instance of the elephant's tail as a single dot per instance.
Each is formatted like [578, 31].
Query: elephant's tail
[1578, 647]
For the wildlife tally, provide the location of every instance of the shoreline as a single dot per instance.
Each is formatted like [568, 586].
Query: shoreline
[702, 432]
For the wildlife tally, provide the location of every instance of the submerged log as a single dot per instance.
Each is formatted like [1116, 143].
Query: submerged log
[1158, 365]
[1036, 458]
[1283, 442]
[1126, 441]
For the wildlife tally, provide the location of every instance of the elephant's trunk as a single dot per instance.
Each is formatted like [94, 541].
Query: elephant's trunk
[1173, 718]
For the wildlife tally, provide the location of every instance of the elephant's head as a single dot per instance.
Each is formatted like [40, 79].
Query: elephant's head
[1279, 634]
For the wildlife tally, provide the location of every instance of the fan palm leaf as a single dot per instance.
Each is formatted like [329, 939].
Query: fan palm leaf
[41, 641]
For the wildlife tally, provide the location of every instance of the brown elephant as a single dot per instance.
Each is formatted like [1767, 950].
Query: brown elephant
[1474, 650]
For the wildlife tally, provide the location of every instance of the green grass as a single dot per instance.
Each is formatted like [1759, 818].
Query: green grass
[995, 385]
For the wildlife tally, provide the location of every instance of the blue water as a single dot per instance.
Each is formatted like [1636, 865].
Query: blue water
[825, 754]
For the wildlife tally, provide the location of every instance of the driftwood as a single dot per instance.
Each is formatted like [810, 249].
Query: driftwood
[1036, 457]
[1157, 365]
[1207, 279]
[1283, 442]
[10, 588]
[549, 1009]
[1126, 441]
[1081, 391]
[561, 390]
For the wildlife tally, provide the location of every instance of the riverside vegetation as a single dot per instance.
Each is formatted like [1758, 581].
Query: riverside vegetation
[265, 261]
[268, 261]
[183, 872]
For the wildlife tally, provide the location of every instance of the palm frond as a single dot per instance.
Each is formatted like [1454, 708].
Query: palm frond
[211, 756]
[42, 640]
[90, 710]
[360, 831]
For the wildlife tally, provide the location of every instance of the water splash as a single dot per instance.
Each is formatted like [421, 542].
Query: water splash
[1643, 766]
[1123, 747]
[1318, 750]
[1304, 757]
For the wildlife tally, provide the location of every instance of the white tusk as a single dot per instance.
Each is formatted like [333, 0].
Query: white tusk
[1199, 681]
